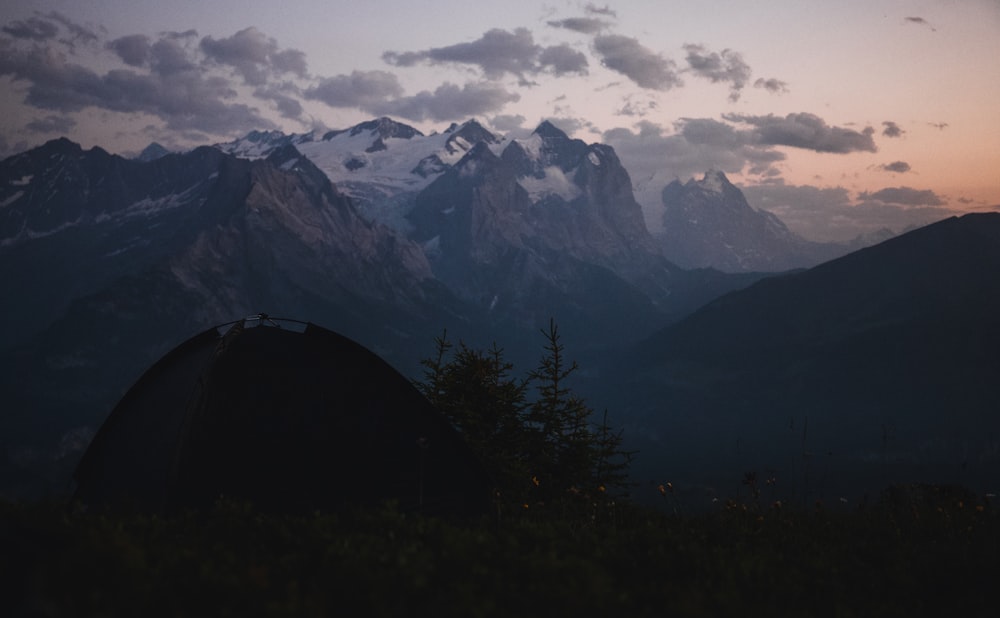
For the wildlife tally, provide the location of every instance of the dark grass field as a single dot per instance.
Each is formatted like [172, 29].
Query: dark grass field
[932, 553]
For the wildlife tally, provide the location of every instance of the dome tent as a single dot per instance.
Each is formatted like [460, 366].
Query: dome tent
[286, 415]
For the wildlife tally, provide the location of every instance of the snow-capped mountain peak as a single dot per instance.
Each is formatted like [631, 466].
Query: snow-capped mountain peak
[713, 181]
[709, 223]
[381, 164]
[548, 130]
[383, 128]
[464, 137]
[260, 144]
[152, 152]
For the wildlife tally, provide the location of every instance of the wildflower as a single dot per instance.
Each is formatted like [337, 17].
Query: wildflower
[535, 480]
[601, 488]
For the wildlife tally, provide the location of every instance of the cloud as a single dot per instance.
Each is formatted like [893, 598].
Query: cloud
[508, 122]
[290, 61]
[563, 59]
[600, 10]
[496, 53]
[829, 214]
[180, 36]
[33, 28]
[940, 126]
[904, 196]
[254, 55]
[192, 84]
[637, 108]
[807, 131]
[169, 57]
[360, 89]
[448, 102]
[696, 145]
[919, 21]
[51, 124]
[654, 156]
[726, 66]
[287, 106]
[175, 91]
[771, 85]
[78, 33]
[643, 66]
[585, 25]
[46, 27]
[891, 129]
[899, 167]
[134, 49]
[710, 132]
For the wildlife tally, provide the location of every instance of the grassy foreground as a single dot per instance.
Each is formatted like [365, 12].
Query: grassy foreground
[901, 558]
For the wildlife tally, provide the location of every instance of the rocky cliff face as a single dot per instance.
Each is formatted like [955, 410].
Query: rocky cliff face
[107, 263]
[550, 218]
[110, 262]
[709, 224]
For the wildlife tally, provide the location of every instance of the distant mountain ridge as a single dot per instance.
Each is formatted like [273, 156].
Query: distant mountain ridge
[882, 364]
[378, 231]
[543, 200]
[383, 165]
[110, 262]
[709, 224]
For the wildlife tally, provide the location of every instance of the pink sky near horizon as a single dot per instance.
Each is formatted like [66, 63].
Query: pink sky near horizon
[930, 68]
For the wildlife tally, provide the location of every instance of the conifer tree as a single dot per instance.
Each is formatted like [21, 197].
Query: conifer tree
[541, 452]
[475, 391]
[567, 446]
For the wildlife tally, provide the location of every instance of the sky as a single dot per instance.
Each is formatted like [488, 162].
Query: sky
[839, 117]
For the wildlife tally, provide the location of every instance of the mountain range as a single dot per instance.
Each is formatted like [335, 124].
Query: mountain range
[111, 261]
[390, 236]
[709, 224]
[875, 368]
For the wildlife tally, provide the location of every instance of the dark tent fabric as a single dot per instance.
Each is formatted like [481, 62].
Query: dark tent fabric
[290, 420]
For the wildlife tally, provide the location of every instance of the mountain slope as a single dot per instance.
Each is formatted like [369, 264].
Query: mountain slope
[380, 164]
[110, 262]
[550, 228]
[885, 361]
[708, 223]
[539, 201]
